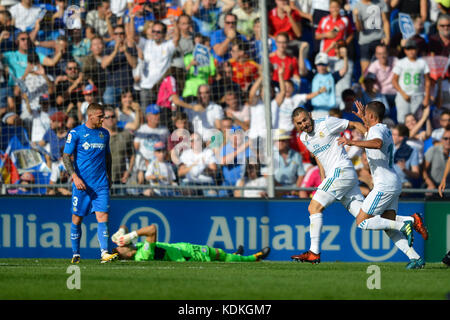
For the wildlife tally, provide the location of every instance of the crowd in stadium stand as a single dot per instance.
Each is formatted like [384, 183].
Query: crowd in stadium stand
[182, 82]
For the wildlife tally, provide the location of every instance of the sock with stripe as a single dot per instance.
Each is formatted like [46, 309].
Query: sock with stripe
[401, 242]
[379, 223]
[102, 236]
[315, 229]
[75, 238]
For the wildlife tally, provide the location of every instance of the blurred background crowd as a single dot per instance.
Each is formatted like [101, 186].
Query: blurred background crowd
[182, 85]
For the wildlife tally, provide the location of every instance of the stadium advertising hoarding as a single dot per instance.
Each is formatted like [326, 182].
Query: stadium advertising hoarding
[40, 227]
[438, 223]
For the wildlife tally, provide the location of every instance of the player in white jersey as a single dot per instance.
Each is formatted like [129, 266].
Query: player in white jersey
[340, 181]
[378, 211]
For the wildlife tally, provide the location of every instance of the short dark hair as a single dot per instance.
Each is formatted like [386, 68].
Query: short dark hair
[297, 111]
[95, 106]
[403, 130]
[377, 108]
[162, 24]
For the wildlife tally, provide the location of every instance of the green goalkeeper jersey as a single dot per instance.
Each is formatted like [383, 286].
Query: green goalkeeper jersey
[181, 251]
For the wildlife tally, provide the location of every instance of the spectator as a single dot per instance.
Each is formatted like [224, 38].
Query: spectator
[234, 109]
[122, 151]
[412, 82]
[179, 138]
[25, 179]
[233, 158]
[185, 46]
[223, 82]
[370, 92]
[12, 128]
[25, 15]
[205, 15]
[283, 19]
[444, 121]
[69, 88]
[412, 7]
[251, 179]
[205, 118]
[337, 63]
[129, 114]
[222, 39]
[40, 119]
[348, 101]
[7, 34]
[383, 68]
[90, 96]
[439, 44]
[417, 135]
[334, 28]
[146, 136]
[198, 167]
[166, 14]
[197, 75]
[120, 7]
[160, 173]
[92, 64]
[288, 164]
[327, 100]
[102, 20]
[119, 61]
[281, 57]
[55, 137]
[373, 28]
[311, 179]
[398, 42]
[435, 161]
[256, 50]
[158, 53]
[406, 158]
[245, 70]
[59, 175]
[37, 83]
[246, 12]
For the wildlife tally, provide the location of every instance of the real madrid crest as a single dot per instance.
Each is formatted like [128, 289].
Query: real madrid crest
[321, 134]
[101, 135]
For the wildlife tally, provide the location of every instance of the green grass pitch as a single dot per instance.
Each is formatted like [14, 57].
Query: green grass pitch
[43, 279]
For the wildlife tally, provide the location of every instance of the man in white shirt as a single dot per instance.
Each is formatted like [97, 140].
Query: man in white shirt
[205, 122]
[379, 209]
[146, 137]
[340, 181]
[24, 15]
[158, 54]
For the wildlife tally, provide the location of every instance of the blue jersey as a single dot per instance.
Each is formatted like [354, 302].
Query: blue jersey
[89, 147]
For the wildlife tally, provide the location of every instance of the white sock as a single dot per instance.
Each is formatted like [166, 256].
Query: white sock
[315, 229]
[104, 252]
[379, 223]
[404, 218]
[400, 242]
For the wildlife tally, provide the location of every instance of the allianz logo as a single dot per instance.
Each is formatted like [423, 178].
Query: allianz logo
[25, 231]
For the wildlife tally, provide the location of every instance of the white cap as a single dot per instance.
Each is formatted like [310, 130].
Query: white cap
[321, 58]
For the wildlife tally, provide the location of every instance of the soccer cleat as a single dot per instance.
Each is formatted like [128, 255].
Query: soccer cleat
[115, 237]
[416, 264]
[260, 255]
[240, 250]
[108, 257]
[76, 259]
[307, 256]
[446, 259]
[419, 226]
[407, 231]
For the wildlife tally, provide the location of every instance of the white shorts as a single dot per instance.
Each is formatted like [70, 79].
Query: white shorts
[342, 186]
[377, 202]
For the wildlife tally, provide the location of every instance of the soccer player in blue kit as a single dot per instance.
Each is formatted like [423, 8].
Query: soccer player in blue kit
[90, 170]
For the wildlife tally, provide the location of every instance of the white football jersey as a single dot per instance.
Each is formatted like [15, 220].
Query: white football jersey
[322, 142]
[381, 161]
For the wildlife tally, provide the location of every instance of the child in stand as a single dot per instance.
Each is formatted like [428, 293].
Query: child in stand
[160, 173]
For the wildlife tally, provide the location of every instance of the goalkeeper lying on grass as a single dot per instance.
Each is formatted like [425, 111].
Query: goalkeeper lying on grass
[181, 251]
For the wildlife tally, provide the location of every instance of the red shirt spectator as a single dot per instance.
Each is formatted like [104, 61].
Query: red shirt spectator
[283, 19]
[343, 29]
[280, 57]
[244, 73]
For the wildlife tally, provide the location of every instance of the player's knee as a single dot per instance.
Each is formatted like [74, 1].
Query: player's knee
[315, 207]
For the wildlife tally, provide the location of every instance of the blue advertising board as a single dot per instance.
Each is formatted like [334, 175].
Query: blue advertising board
[32, 227]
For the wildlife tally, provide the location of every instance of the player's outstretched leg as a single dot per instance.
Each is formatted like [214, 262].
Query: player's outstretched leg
[401, 243]
[260, 255]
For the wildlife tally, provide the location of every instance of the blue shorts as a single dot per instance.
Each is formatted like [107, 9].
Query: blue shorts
[85, 202]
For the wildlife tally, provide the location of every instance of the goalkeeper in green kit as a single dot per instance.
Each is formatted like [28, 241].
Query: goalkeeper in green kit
[150, 249]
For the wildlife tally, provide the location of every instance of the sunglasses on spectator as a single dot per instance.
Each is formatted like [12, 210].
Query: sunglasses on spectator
[157, 31]
[444, 25]
[23, 39]
[72, 68]
[230, 22]
[110, 117]
[119, 33]
[446, 138]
